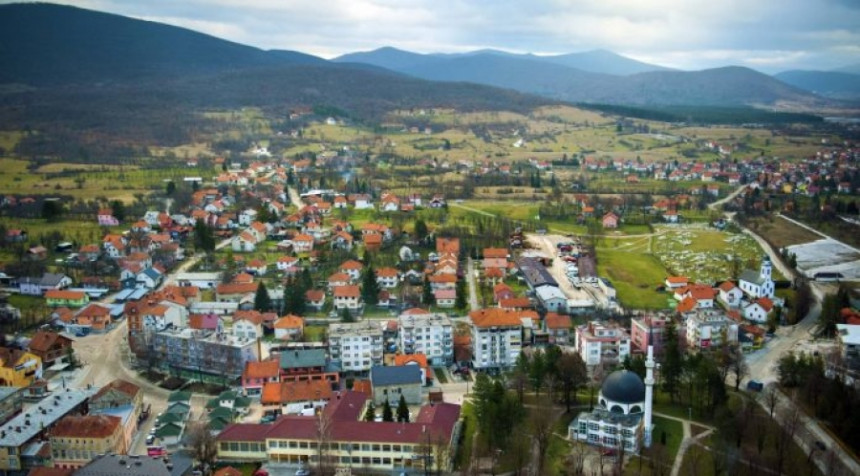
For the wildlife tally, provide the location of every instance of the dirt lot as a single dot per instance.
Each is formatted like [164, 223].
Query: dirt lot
[782, 233]
[547, 244]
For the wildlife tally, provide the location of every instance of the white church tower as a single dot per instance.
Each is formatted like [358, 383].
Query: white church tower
[649, 395]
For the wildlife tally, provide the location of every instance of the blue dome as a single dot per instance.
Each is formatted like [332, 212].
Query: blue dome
[623, 386]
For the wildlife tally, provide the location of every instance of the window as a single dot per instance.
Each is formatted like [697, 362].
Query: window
[294, 444]
[376, 447]
[365, 447]
[273, 444]
[386, 448]
[396, 448]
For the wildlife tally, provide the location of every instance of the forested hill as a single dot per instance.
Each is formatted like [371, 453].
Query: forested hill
[44, 44]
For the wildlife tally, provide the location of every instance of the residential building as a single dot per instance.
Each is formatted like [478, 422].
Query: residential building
[758, 310]
[558, 327]
[427, 333]
[709, 328]
[63, 298]
[552, 298]
[602, 343]
[259, 373]
[387, 278]
[848, 337]
[729, 294]
[353, 443]
[75, 440]
[356, 346]
[11, 402]
[52, 347]
[676, 282]
[203, 351]
[390, 383]
[347, 297]
[650, 331]
[19, 368]
[306, 364]
[445, 298]
[293, 396]
[496, 337]
[289, 327]
[23, 437]
[248, 327]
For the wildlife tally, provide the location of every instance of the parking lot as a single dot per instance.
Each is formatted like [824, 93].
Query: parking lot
[586, 288]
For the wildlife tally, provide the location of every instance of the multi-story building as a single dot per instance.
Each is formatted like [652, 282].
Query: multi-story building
[602, 343]
[708, 328]
[427, 333]
[339, 438]
[203, 351]
[497, 337]
[651, 330]
[848, 337]
[11, 402]
[18, 368]
[75, 440]
[356, 346]
[50, 346]
[23, 437]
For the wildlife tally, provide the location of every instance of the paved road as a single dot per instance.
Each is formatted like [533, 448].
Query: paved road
[473, 284]
[719, 203]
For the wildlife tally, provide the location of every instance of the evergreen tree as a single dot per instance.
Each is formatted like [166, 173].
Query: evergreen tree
[204, 237]
[387, 414]
[117, 209]
[402, 410]
[345, 316]
[262, 302]
[369, 286]
[672, 360]
[170, 188]
[294, 299]
[461, 302]
[370, 413]
[427, 294]
[421, 230]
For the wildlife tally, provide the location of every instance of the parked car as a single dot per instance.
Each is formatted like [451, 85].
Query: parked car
[755, 386]
[150, 439]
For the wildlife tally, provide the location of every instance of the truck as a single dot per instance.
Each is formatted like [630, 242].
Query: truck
[755, 386]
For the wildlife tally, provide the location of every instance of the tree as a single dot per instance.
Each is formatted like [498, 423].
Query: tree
[634, 364]
[202, 444]
[461, 301]
[52, 210]
[387, 414]
[541, 420]
[294, 298]
[170, 188]
[572, 374]
[204, 237]
[262, 302]
[370, 413]
[402, 410]
[427, 293]
[117, 209]
[346, 316]
[672, 360]
[421, 230]
[739, 366]
[537, 371]
[369, 286]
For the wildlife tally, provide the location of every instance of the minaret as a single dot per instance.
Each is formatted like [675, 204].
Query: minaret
[649, 394]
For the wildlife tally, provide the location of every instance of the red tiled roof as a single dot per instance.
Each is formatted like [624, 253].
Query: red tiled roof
[346, 291]
[236, 288]
[123, 386]
[686, 305]
[89, 426]
[727, 286]
[496, 317]
[289, 322]
[557, 321]
[677, 279]
[295, 391]
[63, 294]
[43, 340]
[264, 369]
[495, 253]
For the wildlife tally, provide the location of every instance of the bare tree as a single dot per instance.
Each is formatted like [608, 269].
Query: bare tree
[323, 430]
[789, 419]
[771, 399]
[541, 423]
[576, 460]
[202, 444]
[519, 449]
[739, 366]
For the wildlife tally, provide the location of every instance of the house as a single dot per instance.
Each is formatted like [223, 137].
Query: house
[52, 347]
[95, 316]
[19, 368]
[445, 298]
[649, 331]
[63, 298]
[281, 395]
[758, 310]
[373, 242]
[150, 278]
[257, 374]
[288, 265]
[729, 294]
[248, 327]
[234, 292]
[315, 298]
[502, 291]
[558, 327]
[602, 343]
[706, 328]
[303, 243]
[756, 285]
[676, 282]
[120, 399]
[670, 216]
[610, 220]
[289, 327]
[848, 337]
[391, 382]
[338, 279]
[244, 242]
[352, 268]
[256, 267]
[387, 277]
[347, 297]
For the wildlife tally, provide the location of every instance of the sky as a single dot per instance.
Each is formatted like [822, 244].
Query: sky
[768, 35]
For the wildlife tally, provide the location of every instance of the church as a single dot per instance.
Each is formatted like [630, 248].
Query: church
[758, 285]
[623, 413]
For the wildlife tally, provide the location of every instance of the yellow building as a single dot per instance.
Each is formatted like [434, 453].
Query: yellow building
[18, 368]
[76, 440]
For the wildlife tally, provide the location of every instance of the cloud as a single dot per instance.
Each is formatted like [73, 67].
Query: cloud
[682, 33]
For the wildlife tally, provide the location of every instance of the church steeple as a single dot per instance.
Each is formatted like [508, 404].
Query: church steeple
[766, 268]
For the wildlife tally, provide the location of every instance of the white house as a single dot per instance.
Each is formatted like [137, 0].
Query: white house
[363, 202]
[756, 285]
[387, 277]
[729, 294]
[244, 242]
[245, 328]
[758, 310]
[445, 298]
[150, 278]
[347, 297]
[288, 264]
[597, 343]
[247, 217]
[352, 268]
[289, 327]
[303, 243]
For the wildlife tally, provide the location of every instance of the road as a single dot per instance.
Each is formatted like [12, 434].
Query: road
[473, 285]
[107, 358]
[719, 203]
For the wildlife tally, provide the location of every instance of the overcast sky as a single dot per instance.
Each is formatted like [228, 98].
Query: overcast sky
[769, 35]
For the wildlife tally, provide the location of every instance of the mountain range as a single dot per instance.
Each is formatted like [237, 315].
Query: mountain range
[45, 45]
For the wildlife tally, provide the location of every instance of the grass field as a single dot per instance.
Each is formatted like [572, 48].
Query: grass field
[635, 276]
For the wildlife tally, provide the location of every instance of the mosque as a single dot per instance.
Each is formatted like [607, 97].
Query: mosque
[623, 412]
